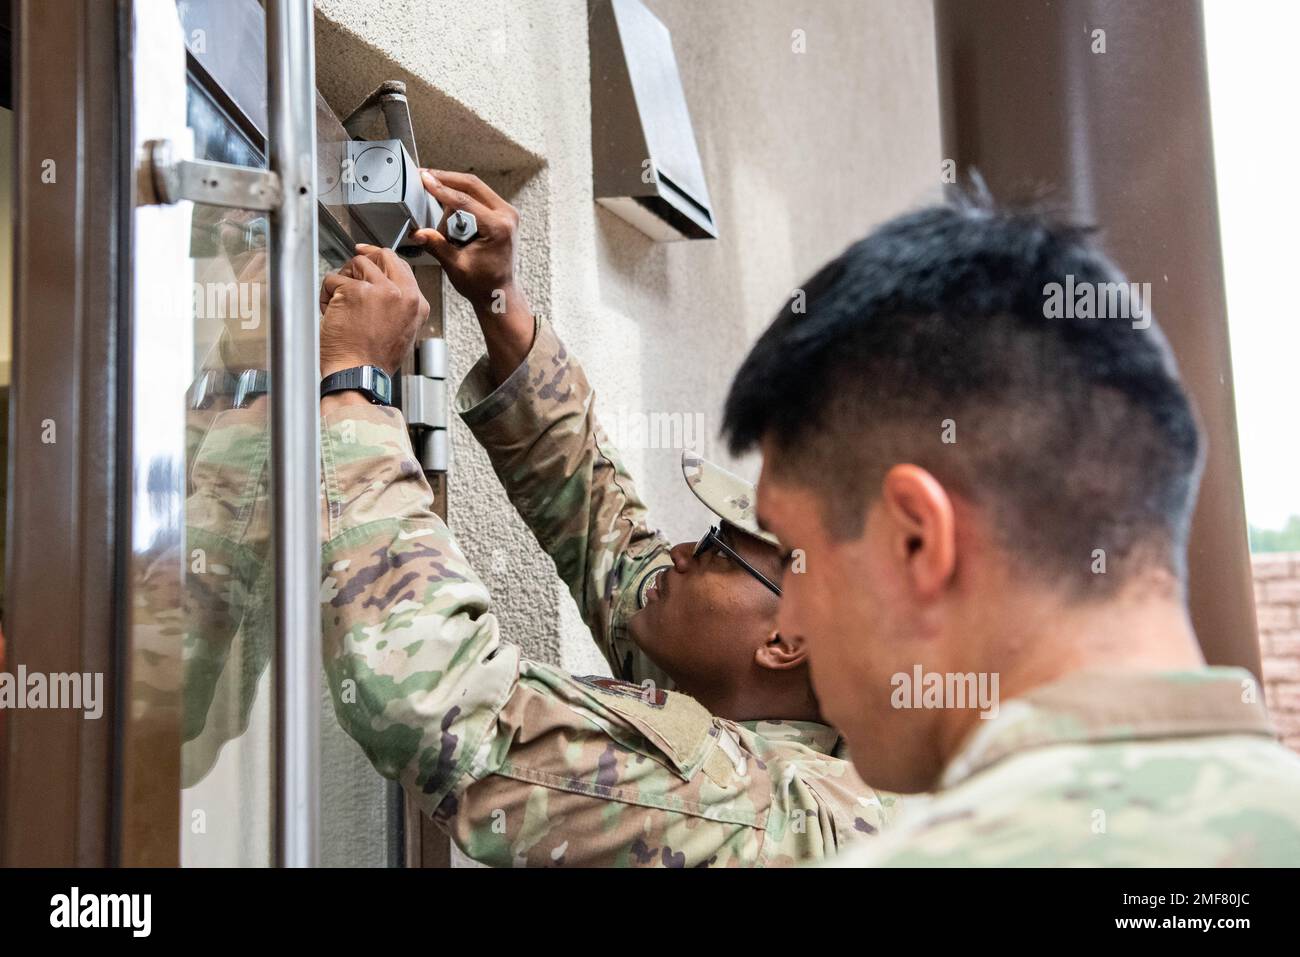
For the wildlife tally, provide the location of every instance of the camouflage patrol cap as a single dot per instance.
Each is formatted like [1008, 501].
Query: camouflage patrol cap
[728, 496]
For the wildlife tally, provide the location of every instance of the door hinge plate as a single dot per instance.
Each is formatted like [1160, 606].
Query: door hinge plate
[171, 180]
[424, 405]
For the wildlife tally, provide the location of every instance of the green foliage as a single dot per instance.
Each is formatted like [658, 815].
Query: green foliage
[1284, 539]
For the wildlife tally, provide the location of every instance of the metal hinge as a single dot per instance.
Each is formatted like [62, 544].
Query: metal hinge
[379, 179]
[167, 179]
[389, 101]
[423, 403]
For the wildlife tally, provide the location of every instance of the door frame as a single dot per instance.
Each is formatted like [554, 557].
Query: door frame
[57, 767]
[68, 794]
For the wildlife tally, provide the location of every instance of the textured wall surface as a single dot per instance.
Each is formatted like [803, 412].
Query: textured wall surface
[803, 151]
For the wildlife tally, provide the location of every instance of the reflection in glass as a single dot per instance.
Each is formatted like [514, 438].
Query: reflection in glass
[227, 727]
[227, 752]
[198, 738]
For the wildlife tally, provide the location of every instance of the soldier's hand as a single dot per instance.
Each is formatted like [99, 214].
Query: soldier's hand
[372, 310]
[483, 270]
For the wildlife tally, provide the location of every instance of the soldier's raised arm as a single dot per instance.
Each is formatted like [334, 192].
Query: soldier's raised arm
[518, 761]
[528, 402]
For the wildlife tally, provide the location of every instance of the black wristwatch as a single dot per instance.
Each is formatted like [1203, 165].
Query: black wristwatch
[242, 388]
[375, 384]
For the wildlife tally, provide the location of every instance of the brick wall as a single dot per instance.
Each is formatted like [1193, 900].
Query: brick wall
[1277, 605]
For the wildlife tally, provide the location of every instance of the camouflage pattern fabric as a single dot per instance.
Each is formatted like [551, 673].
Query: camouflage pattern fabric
[229, 615]
[728, 496]
[1112, 769]
[520, 762]
[202, 623]
[569, 483]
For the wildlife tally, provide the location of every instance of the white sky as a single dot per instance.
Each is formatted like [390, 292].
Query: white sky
[1254, 84]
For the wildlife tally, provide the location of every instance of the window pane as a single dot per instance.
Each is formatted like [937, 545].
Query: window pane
[201, 594]
[227, 755]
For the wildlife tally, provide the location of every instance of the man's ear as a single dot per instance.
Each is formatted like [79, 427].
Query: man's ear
[780, 653]
[921, 528]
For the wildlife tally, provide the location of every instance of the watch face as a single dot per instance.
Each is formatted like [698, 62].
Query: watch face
[384, 387]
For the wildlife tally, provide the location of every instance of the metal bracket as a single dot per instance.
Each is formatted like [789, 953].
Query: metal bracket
[383, 191]
[169, 180]
[389, 98]
[424, 405]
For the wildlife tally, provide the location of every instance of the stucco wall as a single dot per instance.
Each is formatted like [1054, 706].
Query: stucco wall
[803, 153]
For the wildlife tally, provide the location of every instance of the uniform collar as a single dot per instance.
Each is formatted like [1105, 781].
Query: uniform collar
[1098, 705]
[819, 737]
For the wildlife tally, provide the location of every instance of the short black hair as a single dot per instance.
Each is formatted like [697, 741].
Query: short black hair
[1073, 432]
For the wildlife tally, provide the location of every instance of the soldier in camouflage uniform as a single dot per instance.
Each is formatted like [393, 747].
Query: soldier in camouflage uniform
[987, 487]
[202, 622]
[1173, 768]
[522, 763]
[228, 598]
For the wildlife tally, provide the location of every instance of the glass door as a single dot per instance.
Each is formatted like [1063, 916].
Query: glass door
[200, 744]
[161, 530]
[207, 277]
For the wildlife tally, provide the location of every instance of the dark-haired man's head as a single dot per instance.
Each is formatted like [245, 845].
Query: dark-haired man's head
[977, 440]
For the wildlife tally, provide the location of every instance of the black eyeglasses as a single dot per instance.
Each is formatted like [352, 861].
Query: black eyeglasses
[713, 539]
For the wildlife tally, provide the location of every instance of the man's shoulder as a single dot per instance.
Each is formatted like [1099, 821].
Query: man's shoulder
[660, 763]
[678, 734]
[1215, 800]
[820, 802]
[597, 771]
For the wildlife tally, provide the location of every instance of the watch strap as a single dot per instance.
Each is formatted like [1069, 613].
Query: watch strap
[251, 384]
[375, 384]
[242, 388]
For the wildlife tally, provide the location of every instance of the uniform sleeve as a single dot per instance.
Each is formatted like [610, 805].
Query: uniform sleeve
[519, 762]
[567, 481]
[412, 656]
[228, 595]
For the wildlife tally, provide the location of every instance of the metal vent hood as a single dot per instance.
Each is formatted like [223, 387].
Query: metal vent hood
[645, 164]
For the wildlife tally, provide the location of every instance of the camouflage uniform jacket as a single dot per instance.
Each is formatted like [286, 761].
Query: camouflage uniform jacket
[524, 764]
[202, 618]
[1112, 769]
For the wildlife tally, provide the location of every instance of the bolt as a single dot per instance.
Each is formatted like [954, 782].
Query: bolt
[461, 226]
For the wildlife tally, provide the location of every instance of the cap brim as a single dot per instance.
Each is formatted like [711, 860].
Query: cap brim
[726, 495]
